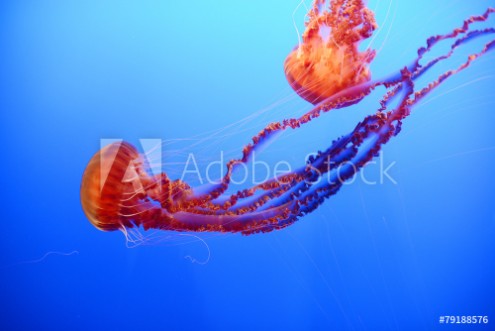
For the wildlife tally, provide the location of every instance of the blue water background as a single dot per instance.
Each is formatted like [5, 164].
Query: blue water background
[373, 257]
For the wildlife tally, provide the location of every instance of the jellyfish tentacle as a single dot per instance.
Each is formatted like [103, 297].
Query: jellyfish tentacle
[342, 97]
[118, 192]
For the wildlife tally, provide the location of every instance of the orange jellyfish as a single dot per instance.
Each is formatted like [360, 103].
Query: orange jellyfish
[117, 188]
[104, 184]
[327, 60]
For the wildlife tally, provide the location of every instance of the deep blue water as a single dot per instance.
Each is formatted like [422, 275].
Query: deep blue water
[205, 76]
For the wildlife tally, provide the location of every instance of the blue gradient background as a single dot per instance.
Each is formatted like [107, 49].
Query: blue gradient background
[383, 257]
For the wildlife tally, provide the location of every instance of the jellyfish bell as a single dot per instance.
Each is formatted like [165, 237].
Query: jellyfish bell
[112, 175]
[327, 60]
[118, 191]
[316, 76]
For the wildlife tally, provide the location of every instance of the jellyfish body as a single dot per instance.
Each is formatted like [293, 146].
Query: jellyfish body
[327, 60]
[118, 191]
[104, 186]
